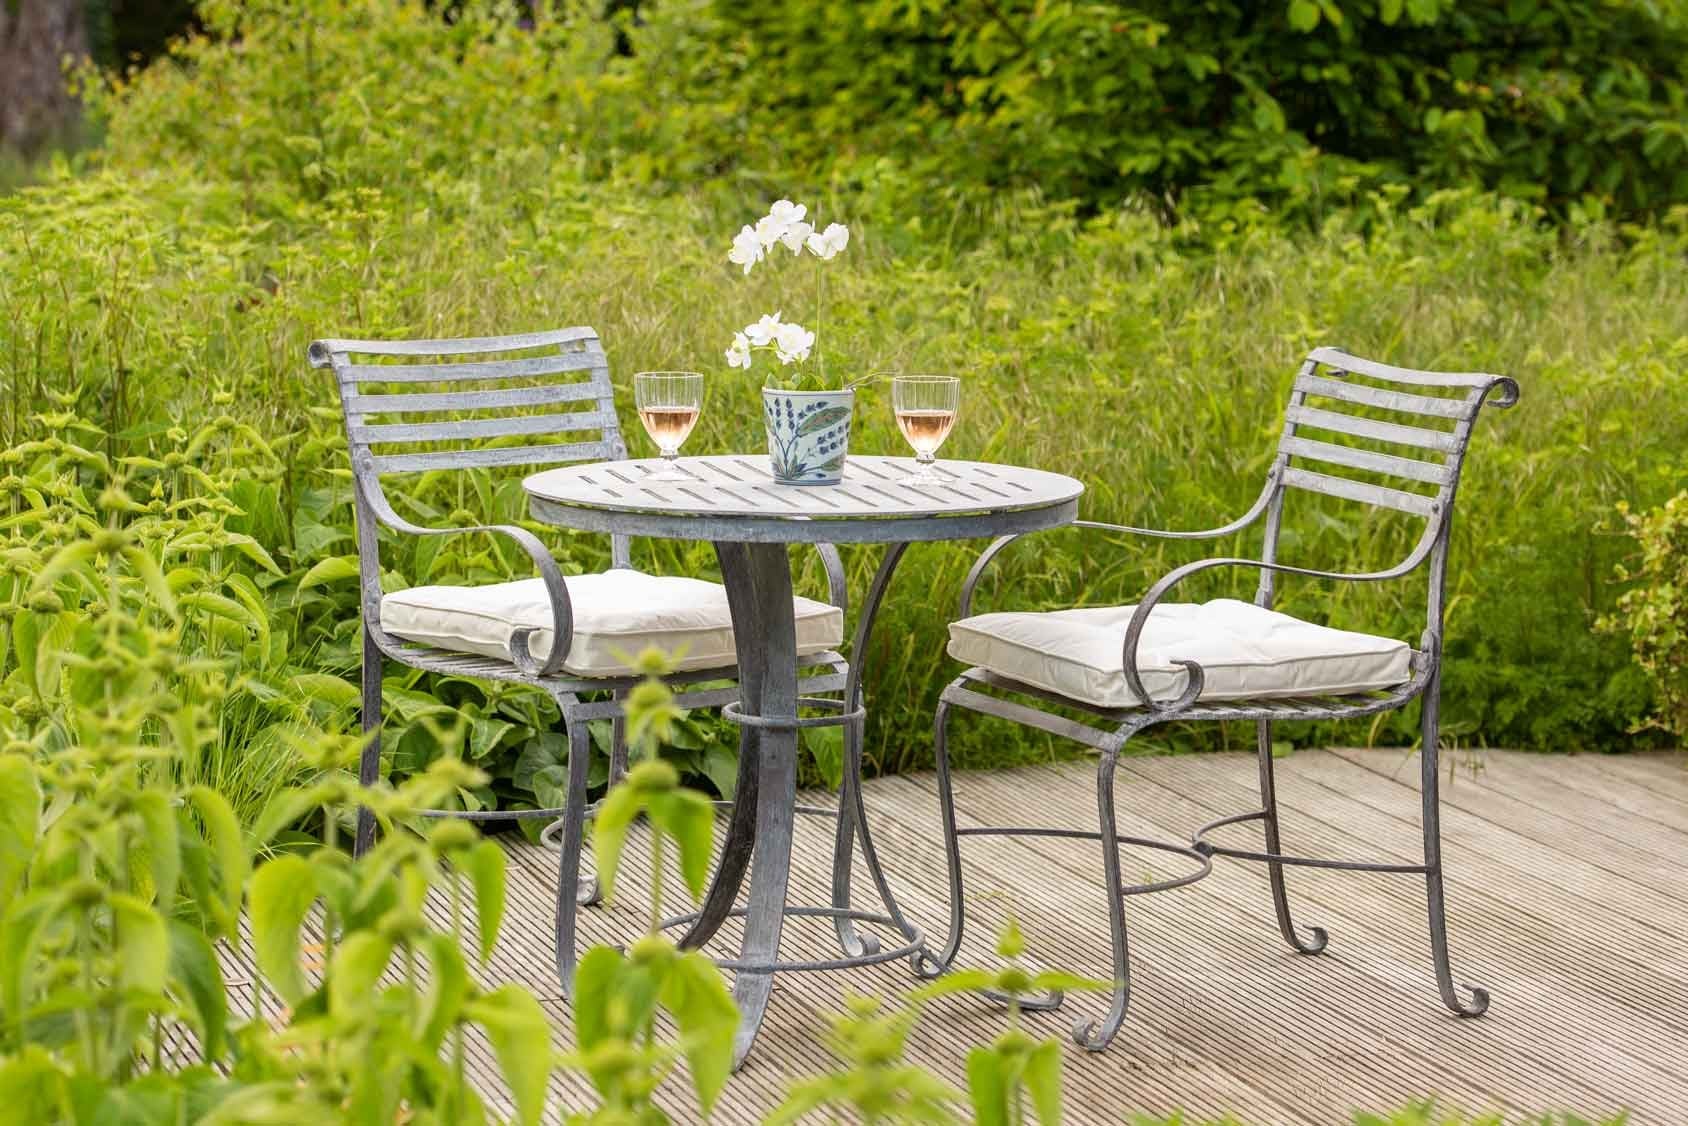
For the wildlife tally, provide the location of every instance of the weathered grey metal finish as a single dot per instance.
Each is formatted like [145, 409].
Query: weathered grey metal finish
[752, 522]
[573, 369]
[1338, 380]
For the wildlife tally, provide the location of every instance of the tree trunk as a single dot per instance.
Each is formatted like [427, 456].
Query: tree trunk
[36, 37]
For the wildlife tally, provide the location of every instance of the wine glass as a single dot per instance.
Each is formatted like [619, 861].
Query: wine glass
[669, 403]
[925, 406]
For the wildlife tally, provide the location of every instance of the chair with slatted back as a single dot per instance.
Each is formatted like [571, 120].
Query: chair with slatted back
[539, 399]
[1158, 662]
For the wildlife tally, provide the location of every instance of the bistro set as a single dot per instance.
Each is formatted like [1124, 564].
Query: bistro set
[1128, 668]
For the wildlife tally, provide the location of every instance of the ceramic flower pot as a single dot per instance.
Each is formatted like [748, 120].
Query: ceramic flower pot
[808, 434]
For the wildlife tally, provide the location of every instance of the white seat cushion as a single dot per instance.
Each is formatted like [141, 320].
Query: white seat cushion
[616, 615]
[1245, 651]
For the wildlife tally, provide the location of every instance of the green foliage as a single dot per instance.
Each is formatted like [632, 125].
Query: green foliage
[1654, 611]
[468, 177]
[618, 994]
[875, 1081]
[119, 880]
[1207, 108]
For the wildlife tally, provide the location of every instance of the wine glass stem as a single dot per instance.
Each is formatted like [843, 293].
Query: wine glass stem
[926, 458]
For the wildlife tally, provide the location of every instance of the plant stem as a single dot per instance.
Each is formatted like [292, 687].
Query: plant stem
[656, 880]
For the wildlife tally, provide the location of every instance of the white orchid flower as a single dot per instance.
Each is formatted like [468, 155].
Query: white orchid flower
[768, 231]
[830, 242]
[785, 213]
[793, 342]
[763, 332]
[738, 356]
[747, 248]
[795, 235]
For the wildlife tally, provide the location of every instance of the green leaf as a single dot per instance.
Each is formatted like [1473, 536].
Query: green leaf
[32, 1088]
[144, 942]
[22, 928]
[1063, 982]
[282, 894]
[228, 846]
[448, 989]
[359, 961]
[163, 846]
[1303, 15]
[334, 569]
[595, 981]
[146, 567]
[521, 1039]
[193, 966]
[689, 818]
[695, 993]
[822, 420]
[1042, 1078]
[20, 820]
[331, 690]
[961, 981]
[486, 863]
[987, 1088]
[609, 832]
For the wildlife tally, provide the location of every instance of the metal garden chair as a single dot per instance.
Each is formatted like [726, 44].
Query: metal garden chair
[1158, 662]
[569, 636]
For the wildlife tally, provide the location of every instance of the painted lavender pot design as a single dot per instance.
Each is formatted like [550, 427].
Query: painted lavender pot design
[808, 434]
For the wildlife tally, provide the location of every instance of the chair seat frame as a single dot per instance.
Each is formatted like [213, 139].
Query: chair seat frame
[568, 353]
[1327, 373]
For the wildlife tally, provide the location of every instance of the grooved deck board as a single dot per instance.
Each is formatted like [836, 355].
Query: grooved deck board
[1563, 900]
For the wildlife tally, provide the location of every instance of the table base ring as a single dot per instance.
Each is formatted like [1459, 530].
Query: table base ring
[733, 713]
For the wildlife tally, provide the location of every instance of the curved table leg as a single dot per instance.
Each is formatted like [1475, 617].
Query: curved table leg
[776, 797]
[741, 828]
[852, 813]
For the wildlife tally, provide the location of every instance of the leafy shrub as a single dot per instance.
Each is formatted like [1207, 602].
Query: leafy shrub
[1654, 612]
[1208, 107]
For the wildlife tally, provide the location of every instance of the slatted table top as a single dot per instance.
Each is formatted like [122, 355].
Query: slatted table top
[735, 497]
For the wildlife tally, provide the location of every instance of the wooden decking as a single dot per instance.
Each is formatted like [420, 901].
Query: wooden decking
[1567, 900]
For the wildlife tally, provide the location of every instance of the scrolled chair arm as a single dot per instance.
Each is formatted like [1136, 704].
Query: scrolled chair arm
[990, 553]
[1140, 616]
[837, 589]
[562, 611]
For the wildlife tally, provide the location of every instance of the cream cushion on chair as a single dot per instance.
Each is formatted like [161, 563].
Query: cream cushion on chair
[1245, 651]
[616, 614]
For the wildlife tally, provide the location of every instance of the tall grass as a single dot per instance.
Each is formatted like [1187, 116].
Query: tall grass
[1152, 368]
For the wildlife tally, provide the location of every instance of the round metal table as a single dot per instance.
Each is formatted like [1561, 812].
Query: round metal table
[733, 501]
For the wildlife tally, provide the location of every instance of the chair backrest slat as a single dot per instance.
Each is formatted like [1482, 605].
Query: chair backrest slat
[1349, 489]
[1352, 457]
[1356, 427]
[1339, 361]
[321, 350]
[543, 394]
[491, 457]
[477, 428]
[1436, 406]
[475, 370]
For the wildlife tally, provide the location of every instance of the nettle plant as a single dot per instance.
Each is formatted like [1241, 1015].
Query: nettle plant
[787, 227]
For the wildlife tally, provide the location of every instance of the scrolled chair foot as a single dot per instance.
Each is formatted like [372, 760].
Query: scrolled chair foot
[1095, 1035]
[856, 944]
[591, 893]
[926, 967]
[1476, 1007]
[1309, 946]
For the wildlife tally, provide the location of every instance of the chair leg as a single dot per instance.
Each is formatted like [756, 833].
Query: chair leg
[1430, 781]
[369, 763]
[1088, 1033]
[592, 889]
[923, 962]
[568, 864]
[1269, 805]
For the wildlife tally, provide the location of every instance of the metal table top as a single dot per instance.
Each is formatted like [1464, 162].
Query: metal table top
[734, 498]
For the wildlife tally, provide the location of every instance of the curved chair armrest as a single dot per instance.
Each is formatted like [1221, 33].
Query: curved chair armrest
[996, 546]
[837, 590]
[562, 612]
[1140, 617]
